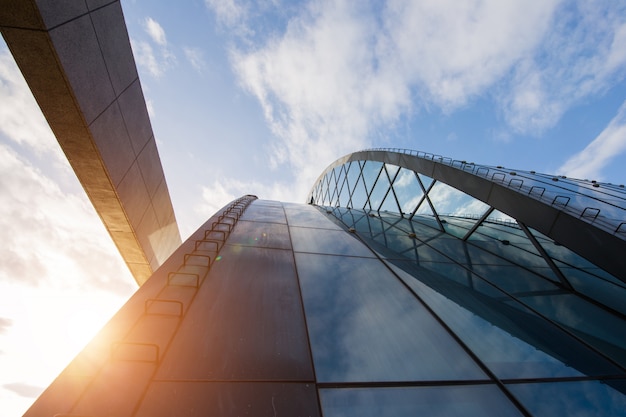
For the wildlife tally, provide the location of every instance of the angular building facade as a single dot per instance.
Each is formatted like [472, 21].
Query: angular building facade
[392, 293]
[409, 284]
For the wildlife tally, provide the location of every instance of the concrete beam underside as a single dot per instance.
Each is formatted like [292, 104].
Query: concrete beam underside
[77, 60]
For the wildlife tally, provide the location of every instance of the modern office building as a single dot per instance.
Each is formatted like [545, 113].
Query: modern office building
[402, 288]
[406, 284]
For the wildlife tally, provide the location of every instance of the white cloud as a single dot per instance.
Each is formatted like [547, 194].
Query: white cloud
[155, 31]
[156, 63]
[611, 142]
[50, 236]
[451, 51]
[145, 57]
[195, 58]
[20, 118]
[228, 12]
[583, 54]
[344, 70]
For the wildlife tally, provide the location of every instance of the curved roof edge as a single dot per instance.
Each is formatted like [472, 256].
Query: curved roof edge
[569, 222]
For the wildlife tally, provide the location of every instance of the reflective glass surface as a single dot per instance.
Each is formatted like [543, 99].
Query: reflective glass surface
[450, 233]
[596, 326]
[308, 216]
[408, 190]
[267, 235]
[259, 213]
[526, 306]
[246, 322]
[462, 401]
[364, 325]
[573, 399]
[334, 242]
[512, 343]
[449, 201]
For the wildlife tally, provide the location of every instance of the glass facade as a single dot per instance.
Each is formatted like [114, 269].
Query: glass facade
[546, 325]
[392, 293]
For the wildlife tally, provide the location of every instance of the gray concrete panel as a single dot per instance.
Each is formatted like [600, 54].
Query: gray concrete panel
[108, 23]
[111, 138]
[95, 4]
[135, 115]
[163, 205]
[55, 12]
[150, 167]
[148, 233]
[23, 14]
[76, 46]
[134, 195]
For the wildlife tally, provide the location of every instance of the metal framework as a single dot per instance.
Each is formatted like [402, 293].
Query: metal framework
[587, 217]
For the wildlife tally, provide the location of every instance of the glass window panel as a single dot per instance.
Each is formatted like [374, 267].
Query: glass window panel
[457, 226]
[426, 216]
[199, 398]
[601, 329]
[353, 171]
[596, 287]
[348, 217]
[462, 401]
[308, 216]
[508, 277]
[451, 247]
[324, 190]
[266, 235]
[371, 169]
[449, 201]
[330, 183]
[513, 343]
[264, 214]
[426, 181]
[379, 191]
[333, 242]
[390, 204]
[364, 325]
[490, 230]
[359, 193]
[563, 254]
[425, 209]
[220, 337]
[344, 193]
[408, 190]
[499, 217]
[339, 179]
[495, 252]
[314, 194]
[573, 399]
[513, 279]
[423, 231]
[321, 191]
[332, 187]
[410, 248]
[370, 225]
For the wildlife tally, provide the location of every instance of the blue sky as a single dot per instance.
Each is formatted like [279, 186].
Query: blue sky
[260, 96]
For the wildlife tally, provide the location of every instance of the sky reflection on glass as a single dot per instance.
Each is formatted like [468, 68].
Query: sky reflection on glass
[364, 325]
[462, 401]
[505, 339]
[573, 399]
